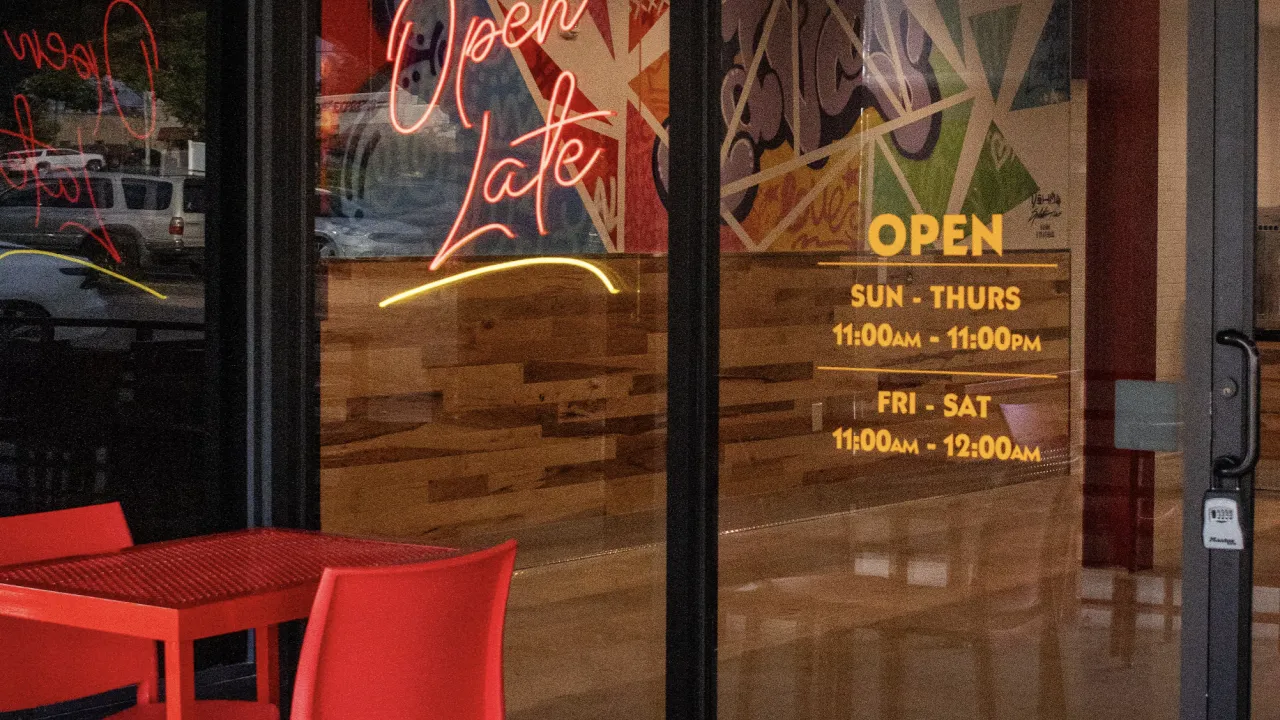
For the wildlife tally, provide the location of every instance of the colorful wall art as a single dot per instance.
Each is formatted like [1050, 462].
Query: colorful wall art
[835, 111]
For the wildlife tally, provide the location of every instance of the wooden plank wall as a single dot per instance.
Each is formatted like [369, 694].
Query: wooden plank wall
[1268, 476]
[531, 403]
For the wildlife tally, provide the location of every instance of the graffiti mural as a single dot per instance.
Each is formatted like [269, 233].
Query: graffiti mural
[833, 111]
[839, 110]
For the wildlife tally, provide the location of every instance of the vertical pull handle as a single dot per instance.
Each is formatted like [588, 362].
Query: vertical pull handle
[1229, 466]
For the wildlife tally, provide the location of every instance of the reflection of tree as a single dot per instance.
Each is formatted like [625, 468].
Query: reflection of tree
[50, 92]
[180, 81]
[62, 88]
[181, 35]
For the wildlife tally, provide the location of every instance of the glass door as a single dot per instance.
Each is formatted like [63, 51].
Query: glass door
[110, 388]
[966, 365]
[1266, 578]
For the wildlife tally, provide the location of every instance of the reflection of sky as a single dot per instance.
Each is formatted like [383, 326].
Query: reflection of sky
[421, 180]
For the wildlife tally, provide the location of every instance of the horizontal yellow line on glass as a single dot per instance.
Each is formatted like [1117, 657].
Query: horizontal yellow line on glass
[1022, 376]
[1039, 266]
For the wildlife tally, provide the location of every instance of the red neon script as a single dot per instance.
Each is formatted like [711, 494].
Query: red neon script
[51, 50]
[558, 154]
[56, 182]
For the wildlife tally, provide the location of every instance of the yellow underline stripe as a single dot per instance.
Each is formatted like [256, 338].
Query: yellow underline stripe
[500, 267]
[941, 372]
[86, 263]
[1042, 266]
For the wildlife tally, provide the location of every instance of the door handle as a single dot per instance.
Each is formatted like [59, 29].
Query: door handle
[1229, 466]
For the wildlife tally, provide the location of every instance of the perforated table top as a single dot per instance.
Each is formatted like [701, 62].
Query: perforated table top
[187, 573]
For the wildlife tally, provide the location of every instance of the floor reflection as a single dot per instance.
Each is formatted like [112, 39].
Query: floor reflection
[973, 606]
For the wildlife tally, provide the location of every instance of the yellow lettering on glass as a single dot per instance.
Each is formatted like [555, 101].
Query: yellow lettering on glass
[926, 230]
[876, 236]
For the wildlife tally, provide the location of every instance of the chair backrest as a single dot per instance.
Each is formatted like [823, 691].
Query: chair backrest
[409, 642]
[40, 663]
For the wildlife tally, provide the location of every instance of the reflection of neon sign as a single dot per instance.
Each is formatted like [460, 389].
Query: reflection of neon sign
[558, 153]
[84, 263]
[82, 58]
[501, 267]
[52, 51]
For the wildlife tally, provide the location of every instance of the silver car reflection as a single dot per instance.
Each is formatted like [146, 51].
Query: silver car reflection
[345, 229]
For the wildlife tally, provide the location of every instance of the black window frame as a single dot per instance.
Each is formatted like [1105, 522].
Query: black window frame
[264, 178]
[261, 188]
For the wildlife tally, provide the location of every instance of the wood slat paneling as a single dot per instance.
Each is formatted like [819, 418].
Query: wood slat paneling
[532, 403]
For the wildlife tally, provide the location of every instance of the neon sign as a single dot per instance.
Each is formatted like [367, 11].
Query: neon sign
[85, 263]
[564, 161]
[51, 50]
[83, 59]
[501, 267]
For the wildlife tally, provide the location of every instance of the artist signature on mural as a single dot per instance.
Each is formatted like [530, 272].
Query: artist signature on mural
[1045, 206]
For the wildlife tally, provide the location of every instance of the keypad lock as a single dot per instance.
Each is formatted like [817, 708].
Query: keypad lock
[1222, 526]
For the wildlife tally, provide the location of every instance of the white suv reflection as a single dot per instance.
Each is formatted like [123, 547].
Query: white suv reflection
[25, 161]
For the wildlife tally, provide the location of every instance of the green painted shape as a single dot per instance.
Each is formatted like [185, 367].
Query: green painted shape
[931, 179]
[888, 197]
[949, 81]
[993, 34]
[1000, 182]
[950, 10]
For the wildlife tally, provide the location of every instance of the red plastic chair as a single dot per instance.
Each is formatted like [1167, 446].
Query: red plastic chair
[43, 663]
[410, 642]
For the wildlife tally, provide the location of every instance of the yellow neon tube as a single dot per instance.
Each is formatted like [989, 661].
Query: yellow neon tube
[87, 264]
[502, 267]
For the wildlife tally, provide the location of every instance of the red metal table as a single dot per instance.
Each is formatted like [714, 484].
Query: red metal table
[180, 591]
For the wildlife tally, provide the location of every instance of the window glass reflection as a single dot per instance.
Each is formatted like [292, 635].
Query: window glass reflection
[491, 224]
[102, 241]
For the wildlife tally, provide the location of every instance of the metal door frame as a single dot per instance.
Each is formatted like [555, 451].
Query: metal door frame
[1221, 209]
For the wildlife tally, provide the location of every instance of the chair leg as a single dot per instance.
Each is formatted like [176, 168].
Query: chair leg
[267, 658]
[891, 672]
[1053, 694]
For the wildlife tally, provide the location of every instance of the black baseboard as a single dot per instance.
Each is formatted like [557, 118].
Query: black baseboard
[226, 682]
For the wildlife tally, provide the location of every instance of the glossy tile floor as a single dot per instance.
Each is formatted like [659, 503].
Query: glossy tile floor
[972, 606]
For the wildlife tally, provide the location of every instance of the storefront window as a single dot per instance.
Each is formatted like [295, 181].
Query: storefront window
[950, 477]
[102, 234]
[491, 225]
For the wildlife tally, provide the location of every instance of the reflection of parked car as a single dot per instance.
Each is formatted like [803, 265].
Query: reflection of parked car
[344, 229]
[39, 286]
[23, 161]
[151, 220]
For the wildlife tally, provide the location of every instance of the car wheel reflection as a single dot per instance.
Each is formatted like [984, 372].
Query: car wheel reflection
[19, 310]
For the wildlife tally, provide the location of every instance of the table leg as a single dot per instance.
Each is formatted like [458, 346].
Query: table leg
[180, 680]
[149, 688]
[267, 654]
